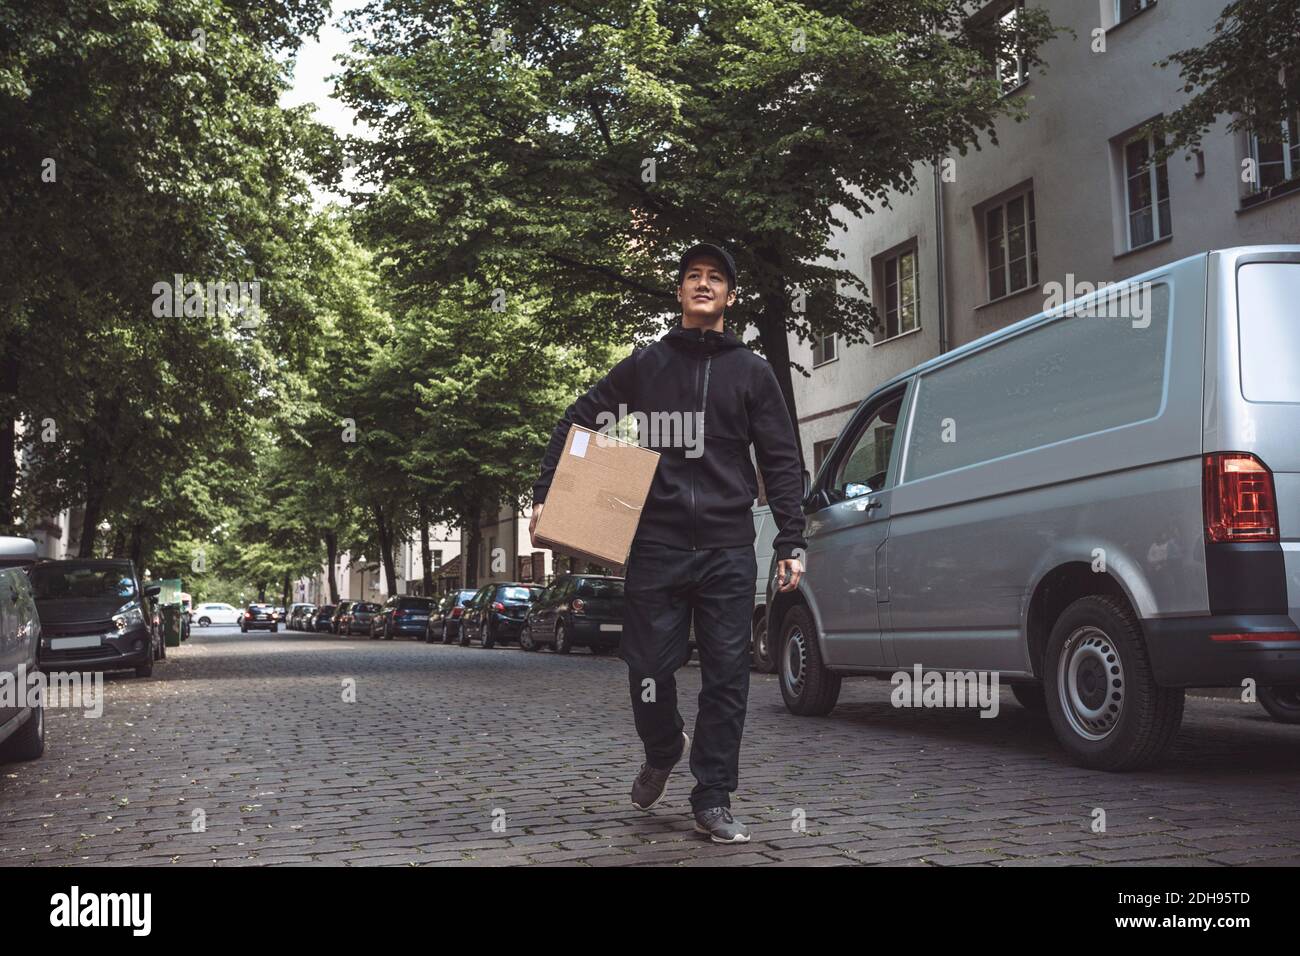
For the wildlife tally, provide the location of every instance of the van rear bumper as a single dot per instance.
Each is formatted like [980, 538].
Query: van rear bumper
[1222, 650]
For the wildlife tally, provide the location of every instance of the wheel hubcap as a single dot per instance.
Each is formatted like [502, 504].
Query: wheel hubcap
[1090, 683]
[795, 663]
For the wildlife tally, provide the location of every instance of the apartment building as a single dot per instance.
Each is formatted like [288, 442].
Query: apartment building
[1067, 196]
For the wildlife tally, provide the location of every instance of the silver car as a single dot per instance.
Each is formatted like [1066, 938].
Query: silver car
[22, 720]
[1099, 505]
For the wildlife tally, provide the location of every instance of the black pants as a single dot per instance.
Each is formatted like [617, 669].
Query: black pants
[663, 587]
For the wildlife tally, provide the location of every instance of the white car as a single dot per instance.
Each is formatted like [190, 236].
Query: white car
[205, 614]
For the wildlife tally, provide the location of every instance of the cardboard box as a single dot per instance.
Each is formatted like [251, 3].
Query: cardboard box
[594, 504]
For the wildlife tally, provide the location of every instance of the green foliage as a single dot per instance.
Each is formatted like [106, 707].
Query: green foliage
[1250, 70]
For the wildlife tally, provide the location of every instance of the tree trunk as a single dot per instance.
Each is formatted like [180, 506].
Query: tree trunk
[386, 549]
[9, 369]
[137, 546]
[332, 556]
[119, 544]
[469, 556]
[261, 592]
[285, 602]
[426, 553]
[772, 333]
[90, 524]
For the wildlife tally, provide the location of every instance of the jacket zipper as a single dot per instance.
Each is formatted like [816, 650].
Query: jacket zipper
[704, 402]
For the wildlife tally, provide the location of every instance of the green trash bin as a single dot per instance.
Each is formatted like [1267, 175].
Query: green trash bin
[169, 605]
[171, 619]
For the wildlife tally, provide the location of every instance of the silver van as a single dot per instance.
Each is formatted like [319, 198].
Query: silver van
[1099, 504]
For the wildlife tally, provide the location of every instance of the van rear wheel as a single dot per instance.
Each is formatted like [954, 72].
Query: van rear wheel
[1102, 698]
[807, 686]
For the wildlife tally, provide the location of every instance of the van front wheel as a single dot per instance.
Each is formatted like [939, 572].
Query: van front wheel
[809, 689]
[1102, 698]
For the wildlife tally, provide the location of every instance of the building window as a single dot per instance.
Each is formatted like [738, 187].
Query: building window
[824, 349]
[1127, 9]
[1011, 243]
[820, 450]
[1011, 69]
[437, 558]
[1146, 191]
[1276, 162]
[899, 298]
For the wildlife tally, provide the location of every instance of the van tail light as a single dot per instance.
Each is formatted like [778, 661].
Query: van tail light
[498, 606]
[248, 615]
[1240, 503]
[577, 607]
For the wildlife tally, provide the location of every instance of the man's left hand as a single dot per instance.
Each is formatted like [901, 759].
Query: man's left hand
[789, 571]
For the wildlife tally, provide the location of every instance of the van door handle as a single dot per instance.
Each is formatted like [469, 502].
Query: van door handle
[869, 505]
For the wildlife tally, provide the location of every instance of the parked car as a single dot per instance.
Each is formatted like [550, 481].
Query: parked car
[497, 613]
[299, 614]
[401, 614]
[22, 727]
[341, 611]
[576, 610]
[445, 618]
[259, 617]
[322, 618]
[1100, 504]
[359, 617]
[94, 616]
[208, 614]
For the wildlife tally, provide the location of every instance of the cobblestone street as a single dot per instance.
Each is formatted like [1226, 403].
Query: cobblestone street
[442, 741]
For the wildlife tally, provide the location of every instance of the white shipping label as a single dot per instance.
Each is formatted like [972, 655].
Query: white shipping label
[580, 444]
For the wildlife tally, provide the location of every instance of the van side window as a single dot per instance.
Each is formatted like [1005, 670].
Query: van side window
[866, 466]
[1099, 366]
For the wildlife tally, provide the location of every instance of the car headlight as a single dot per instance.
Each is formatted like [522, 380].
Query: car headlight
[131, 618]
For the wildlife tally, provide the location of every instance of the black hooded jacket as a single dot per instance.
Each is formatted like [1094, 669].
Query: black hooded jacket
[704, 485]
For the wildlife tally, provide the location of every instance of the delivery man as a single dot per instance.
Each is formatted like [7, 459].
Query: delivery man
[704, 398]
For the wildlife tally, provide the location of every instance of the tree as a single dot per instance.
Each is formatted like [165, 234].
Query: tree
[1250, 69]
[578, 148]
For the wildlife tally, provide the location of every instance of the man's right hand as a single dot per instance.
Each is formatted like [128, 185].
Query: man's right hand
[532, 524]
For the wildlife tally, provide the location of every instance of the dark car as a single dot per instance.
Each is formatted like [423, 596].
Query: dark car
[576, 610]
[95, 616]
[497, 613]
[444, 620]
[401, 615]
[321, 618]
[359, 617]
[299, 614]
[259, 617]
[341, 611]
[22, 719]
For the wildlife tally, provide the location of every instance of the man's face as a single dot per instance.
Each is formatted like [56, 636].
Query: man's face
[703, 292]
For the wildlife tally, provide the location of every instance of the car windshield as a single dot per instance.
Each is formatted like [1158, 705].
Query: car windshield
[518, 594]
[52, 582]
[599, 588]
[414, 604]
[366, 607]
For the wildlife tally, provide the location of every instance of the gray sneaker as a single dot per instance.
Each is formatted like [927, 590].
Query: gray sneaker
[721, 826]
[648, 787]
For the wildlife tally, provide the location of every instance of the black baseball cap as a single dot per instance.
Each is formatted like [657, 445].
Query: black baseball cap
[708, 249]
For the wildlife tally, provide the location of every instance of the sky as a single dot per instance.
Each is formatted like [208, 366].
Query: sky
[315, 62]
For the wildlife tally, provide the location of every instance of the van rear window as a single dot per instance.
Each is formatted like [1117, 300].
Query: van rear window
[1267, 297]
[1074, 376]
